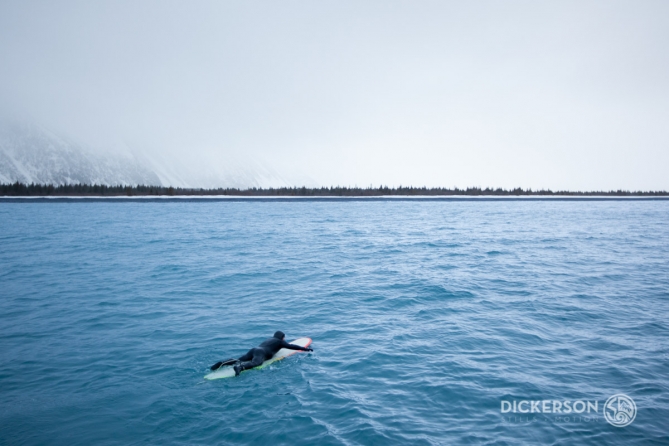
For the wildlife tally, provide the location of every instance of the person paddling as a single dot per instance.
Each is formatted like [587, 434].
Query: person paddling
[257, 355]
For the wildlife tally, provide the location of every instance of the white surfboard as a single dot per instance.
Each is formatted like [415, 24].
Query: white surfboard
[229, 372]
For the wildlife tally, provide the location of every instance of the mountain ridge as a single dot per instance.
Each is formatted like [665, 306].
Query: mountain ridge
[30, 153]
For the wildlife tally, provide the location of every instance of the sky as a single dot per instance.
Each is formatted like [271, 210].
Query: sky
[551, 94]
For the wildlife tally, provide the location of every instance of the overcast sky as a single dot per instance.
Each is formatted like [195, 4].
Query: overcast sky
[562, 95]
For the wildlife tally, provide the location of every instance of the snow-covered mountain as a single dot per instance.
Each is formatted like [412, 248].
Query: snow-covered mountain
[211, 170]
[32, 154]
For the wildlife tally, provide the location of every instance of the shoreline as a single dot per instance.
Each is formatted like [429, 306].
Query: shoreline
[209, 198]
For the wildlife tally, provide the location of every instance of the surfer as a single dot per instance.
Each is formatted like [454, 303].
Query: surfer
[257, 355]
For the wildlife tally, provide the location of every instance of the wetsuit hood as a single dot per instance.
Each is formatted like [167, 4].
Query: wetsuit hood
[279, 335]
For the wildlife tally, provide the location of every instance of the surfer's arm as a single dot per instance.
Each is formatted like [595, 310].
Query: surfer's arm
[284, 344]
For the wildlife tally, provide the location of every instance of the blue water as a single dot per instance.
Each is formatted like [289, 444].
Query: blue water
[425, 316]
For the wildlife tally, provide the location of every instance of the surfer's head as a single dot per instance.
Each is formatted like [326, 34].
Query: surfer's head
[279, 335]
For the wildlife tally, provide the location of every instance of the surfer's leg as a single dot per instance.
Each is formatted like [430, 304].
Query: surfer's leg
[247, 356]
[259, 355]
[257, 358]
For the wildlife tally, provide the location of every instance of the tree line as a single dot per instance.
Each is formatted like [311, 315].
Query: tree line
[101, 190]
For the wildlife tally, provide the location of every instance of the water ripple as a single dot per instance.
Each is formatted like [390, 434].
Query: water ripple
[424, 315]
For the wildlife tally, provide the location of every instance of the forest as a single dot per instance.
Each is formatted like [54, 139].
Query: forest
[100, 190]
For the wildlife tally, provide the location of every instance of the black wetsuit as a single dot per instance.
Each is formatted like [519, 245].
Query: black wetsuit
[256, 356]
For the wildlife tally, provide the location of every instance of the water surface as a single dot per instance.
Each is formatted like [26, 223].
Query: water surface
[425, 315]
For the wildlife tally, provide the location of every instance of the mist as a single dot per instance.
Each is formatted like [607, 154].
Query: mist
[560, 95]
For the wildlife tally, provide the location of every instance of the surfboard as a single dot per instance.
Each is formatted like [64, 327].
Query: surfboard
[229, 372]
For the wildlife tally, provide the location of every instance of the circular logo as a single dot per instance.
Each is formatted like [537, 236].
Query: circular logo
[620, 410]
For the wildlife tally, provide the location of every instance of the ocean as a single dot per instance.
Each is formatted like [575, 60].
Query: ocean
[433, 321]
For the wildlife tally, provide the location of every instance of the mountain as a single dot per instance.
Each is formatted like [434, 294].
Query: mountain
[32, 154]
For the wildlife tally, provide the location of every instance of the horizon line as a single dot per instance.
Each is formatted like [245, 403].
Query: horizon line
[19, 189]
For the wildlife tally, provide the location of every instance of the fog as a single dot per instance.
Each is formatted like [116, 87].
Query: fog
[562, 95]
